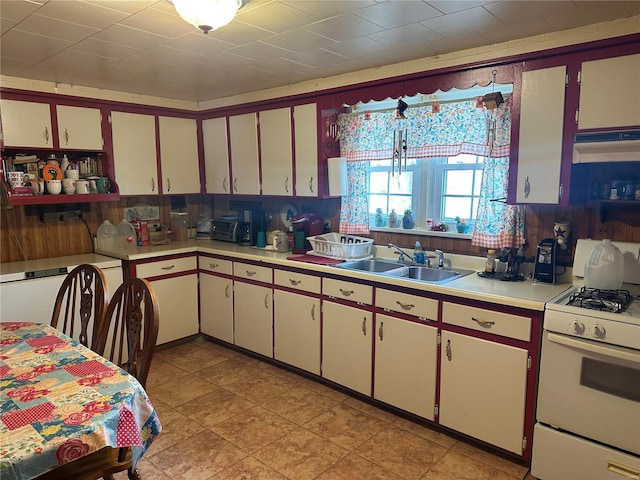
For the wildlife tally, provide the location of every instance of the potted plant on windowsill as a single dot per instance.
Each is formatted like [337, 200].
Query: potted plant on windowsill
[461, 225]
[393, 218]
[407, 220]
[378, 219]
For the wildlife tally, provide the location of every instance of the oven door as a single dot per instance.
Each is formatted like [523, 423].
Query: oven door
[591, 389]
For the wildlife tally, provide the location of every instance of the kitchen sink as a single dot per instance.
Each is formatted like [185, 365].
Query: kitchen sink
[413, 272]
[371, 265]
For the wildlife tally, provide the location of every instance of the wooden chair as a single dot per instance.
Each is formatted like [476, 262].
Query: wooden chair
[80, 304]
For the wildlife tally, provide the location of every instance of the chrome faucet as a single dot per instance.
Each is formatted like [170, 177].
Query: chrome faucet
[402, 254]
[440, 255]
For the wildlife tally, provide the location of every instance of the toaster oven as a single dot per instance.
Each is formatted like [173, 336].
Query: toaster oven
[225, 230]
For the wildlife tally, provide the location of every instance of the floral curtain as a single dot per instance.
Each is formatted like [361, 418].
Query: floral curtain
[435, 130]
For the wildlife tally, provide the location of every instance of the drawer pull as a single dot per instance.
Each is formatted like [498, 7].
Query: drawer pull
[168, 184]
[448, 349]
[483, 323]
[235, 184]
[66, 136]
[226, 291]
[153, 184]
[313, 312]
[380, 330]
[266, 303]
[286, 184]
[251, 274]
[627, 471]
[364, 327]
[46, 135]
[405, 306]
[346, 293]
[213, 265]
[168, 267]
[294, 282]
[224, 184]
[311, 185]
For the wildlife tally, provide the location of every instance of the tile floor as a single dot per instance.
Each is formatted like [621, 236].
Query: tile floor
[229, 416]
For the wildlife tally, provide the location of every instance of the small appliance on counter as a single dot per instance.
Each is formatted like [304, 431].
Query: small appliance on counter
[305, 225]
[225, 229]
[545, 265]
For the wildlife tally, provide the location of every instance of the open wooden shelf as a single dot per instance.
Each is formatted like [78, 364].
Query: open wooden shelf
[63, 198]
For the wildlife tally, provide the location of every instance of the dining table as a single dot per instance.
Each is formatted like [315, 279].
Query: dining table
[60, 402]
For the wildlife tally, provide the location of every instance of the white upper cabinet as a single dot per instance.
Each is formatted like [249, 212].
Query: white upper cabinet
[79, 127]
[276, 152]
[541, 129]
[134, 153]
[216, 155]
[243, 133]
[306, 150]
[179, 155]
[610, 93]
[26, 124]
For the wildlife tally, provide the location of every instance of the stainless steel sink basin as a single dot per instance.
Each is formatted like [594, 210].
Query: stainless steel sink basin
[371, 265]
[414, 272]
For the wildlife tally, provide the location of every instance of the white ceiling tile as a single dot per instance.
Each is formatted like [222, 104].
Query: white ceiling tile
[130, 6]
[29, 46]
[357, 47]
[587, 13]
[197, 42]
[101, 48]
[530, 28]
[299, 40]
[326, 9]
[633, 7]
[158, 22]
[13, 66]
[82, 13]
[239, 33]
[276, 17]
[344, 27]
[17, 10]
[406, 35]
[398, 13]
[54, 28]
[459, 23]
[228, 61]
[123, 35]
[316, 57]
[259, 51]
[448, 6]
[282, 66]
[459, 42]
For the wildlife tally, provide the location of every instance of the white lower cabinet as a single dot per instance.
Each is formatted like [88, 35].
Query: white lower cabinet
[482, 389]
[296, 324]
[347, 346]
[406, 357]
[175, 282]
[216, 306]
[253, 317]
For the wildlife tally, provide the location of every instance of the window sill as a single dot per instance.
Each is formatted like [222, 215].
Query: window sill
[423, 232]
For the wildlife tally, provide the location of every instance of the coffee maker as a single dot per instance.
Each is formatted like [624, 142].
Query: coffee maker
[305, 225]
[545, 266]
[250, 222]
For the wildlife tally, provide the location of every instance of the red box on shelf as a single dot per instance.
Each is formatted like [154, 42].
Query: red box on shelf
[21, 191]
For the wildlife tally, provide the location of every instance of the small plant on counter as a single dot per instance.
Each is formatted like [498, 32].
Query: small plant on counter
[379, 219]
[461, 225]
[393, 218]
[407, 220]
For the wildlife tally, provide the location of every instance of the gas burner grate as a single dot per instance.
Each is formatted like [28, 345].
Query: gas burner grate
[614, 301]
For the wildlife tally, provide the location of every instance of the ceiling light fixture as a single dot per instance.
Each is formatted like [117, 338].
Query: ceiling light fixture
[207, 15]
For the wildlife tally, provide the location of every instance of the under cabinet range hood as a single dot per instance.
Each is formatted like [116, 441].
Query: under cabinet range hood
[600, 147]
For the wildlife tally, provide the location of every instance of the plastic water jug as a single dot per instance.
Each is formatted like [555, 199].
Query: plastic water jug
[126, 233]
[107, 236]
[605, 267]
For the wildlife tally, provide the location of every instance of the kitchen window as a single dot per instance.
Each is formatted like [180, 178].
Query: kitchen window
[436, 188]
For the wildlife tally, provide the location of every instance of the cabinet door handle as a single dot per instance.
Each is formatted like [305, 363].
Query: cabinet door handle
[313, 312]
[448, 349]
[226, 291]
[294, 282]
[266, 304]
[311, 184]
[286, 184]
[380, 330]
[168, 184]
[346, 293]
[527, 186]
[224, 184]
[364, 327]
[153, 184]
[66, 136]
[213, 265]
[46, 135]
[235, 184]
[483, 323]
[405, 306]
[251, 273]
[168, 267]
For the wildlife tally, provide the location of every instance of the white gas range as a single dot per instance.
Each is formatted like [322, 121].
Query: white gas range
[588, 413]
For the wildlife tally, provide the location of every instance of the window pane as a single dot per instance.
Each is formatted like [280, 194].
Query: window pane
[399, 203]
[380, 163]
[457, 207]
[378, 182]
[377, 201]
[401, 183]
[462, 158]
[477, 183]
[458, 182]
[474, 212]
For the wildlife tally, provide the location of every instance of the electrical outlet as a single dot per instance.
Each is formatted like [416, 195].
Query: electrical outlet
[61, 216]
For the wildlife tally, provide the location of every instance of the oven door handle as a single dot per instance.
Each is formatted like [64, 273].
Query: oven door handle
[607, 351]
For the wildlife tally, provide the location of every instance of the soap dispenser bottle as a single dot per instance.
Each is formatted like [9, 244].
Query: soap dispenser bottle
[418, 254]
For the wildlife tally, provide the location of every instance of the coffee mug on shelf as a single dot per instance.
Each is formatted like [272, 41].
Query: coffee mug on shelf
[281, 243]
[103, 185]
[54, 187]
[37, 185]
[82, 187]
[73, 173]
[17, 179]
[69, 185]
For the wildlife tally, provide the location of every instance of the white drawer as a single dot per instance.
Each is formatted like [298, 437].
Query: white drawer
[298, 281]
[411, 304]
[215, 265]
[504, 324]
[166, 267]
[355, 292]
[252, 272]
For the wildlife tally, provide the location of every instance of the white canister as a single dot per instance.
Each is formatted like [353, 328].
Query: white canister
[605, 268]
[281, 243]
[82, 186]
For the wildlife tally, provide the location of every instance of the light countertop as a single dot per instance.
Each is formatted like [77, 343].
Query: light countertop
[525, 294]
[15, 271]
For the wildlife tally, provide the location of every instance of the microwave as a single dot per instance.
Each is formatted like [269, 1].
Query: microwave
[225, 230]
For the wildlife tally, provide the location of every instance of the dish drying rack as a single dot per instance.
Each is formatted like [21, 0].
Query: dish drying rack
[341, 246]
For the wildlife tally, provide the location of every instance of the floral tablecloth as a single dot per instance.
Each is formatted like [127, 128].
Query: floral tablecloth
[60, 401]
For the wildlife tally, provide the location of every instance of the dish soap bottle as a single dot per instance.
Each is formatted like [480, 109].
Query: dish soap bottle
[107, 236]
[126, 233]
[418, 254]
